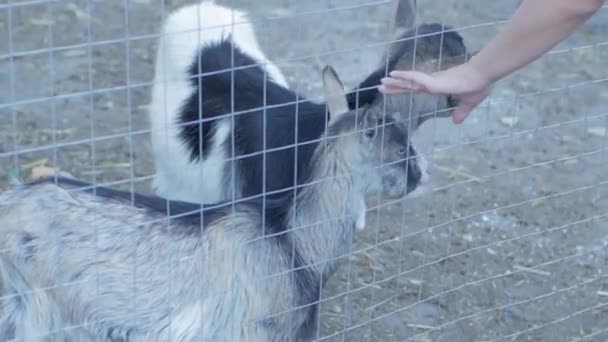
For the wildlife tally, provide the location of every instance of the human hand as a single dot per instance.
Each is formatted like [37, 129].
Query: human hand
[463, 82]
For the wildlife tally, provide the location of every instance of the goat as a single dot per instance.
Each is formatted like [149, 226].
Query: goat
[212, 29]
[224, 121]
[80, 266]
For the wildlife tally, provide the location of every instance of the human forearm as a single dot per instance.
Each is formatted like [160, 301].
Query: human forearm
[536, 27]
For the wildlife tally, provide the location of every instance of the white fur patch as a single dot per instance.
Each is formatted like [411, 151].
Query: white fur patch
[192, 27]
[361, 218]
[187, 323]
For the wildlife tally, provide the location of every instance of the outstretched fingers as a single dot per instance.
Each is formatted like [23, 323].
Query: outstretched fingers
[461, 83]
[389, 90]
[397, 85]
[417, 80]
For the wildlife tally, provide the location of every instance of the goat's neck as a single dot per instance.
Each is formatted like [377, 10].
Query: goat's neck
[324, 215]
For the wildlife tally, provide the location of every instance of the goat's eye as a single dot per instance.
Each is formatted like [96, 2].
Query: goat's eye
[370, 133]
[379, 121]
[402, 151]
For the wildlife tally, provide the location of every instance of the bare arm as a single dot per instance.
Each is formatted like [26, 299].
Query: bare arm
[535, 28]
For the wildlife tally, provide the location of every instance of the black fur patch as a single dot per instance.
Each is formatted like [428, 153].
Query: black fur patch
[255, 96]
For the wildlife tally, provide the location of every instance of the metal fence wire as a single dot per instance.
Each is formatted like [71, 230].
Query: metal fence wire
[509, 242]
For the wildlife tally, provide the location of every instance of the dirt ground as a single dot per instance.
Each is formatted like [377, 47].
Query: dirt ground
[511, 244]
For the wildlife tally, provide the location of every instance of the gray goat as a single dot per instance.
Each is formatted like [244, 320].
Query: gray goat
[84, 267]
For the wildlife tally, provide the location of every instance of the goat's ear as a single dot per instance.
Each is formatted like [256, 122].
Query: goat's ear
[401, 25]
[404, 17]
[334, 94]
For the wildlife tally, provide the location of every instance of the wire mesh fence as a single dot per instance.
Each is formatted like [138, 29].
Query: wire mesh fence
[511, 241]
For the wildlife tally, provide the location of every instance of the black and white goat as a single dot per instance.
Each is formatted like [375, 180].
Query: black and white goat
[217, 98]
[84, 267]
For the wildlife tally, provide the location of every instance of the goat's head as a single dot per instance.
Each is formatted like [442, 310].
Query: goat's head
[427, 48]
[375, 145]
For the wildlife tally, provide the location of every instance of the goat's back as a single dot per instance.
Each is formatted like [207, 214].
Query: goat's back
[126, 273]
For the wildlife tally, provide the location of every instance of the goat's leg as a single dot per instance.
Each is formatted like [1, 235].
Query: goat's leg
[30, 314]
